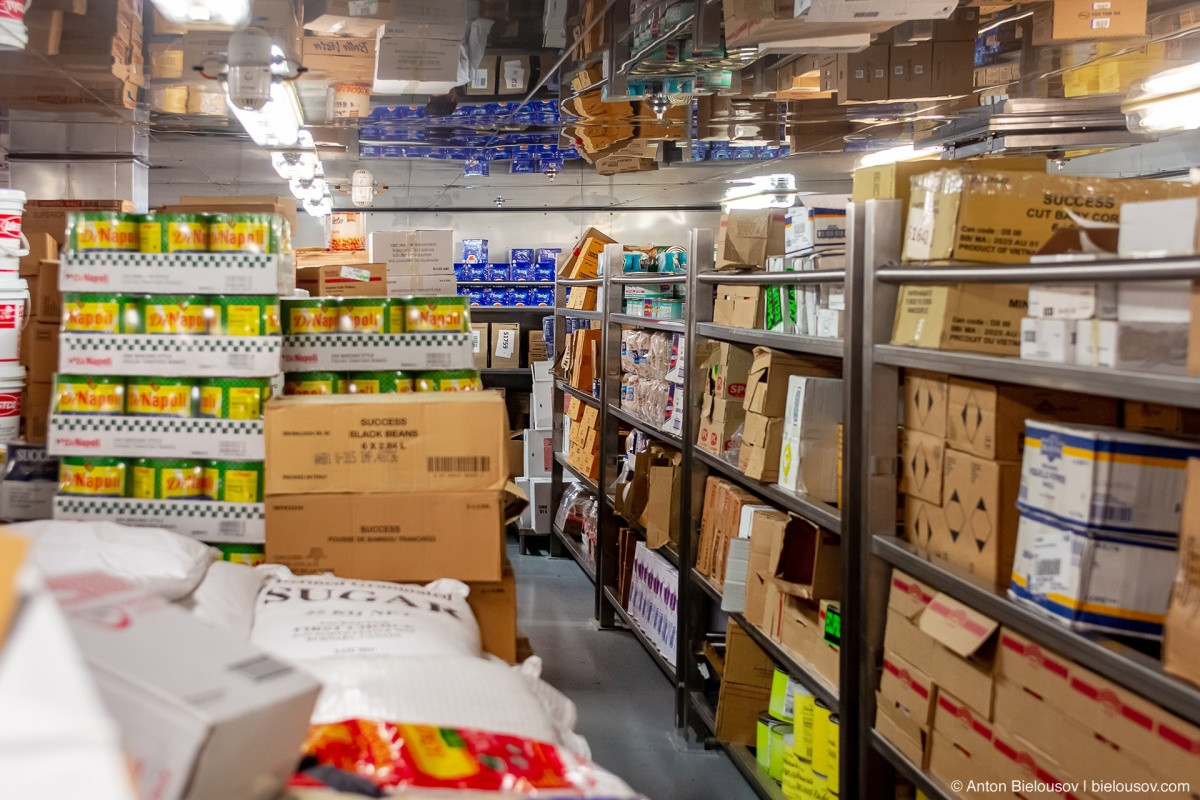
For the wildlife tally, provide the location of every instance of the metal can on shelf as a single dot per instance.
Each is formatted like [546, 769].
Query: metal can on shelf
[425, 314]
[312, 383]
[404, 382]
[364, 314]
[89, 394]
[102, 231]
[244, 316]
[173, 233]
[249, 554]
[833, 758]
[234, 398]
[94, 312]
[820, 737]
[167, 479]
[242, 233]
[450, 380]
[309, 315]
[93, 476]
[234, 481]
[161, 397]
[370, 383]
[176, 314]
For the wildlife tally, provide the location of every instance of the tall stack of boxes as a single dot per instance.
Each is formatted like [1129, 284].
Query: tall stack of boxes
[419, 262]
[722, 412]
[581, 430]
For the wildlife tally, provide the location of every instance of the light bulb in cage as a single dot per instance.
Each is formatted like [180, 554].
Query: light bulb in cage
[659, 104]
[362, 188]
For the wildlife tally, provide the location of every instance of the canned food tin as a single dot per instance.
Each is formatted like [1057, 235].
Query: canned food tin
[459, 380]
[804, 725]
[762, 740]
[820, 787]
[833, 759]
[370, 383]
[161, 397]
[234, 481]
[785, 693]
[404, 382]
[249, 554]
[94, 313]
[797, 778]
[102, 230]
[177, 314]
[97, 477]
[364, 314]
[311, 383]
[89, 394]
[309, 315]
[415, 314]
[244, 316]
[173, 233]
[820, 737]
[242, 233]
[234, 398]
[781, 743]
[167, 479]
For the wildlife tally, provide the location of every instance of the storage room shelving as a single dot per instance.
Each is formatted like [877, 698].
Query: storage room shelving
[872, 371]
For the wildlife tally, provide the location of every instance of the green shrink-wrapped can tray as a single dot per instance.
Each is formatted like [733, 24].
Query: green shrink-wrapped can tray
[233, 398]
[234, 481]
[173, 233]
[167, 479]
[161, 397]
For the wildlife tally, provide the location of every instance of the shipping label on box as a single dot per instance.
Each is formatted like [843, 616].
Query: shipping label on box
[972, 318]
[1050, 340]
[505, 345]
[1073, 300]
[413, 253]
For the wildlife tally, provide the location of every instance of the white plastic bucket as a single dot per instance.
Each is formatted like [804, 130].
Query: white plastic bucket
[13, 244]
[12, 383]
[350, 100]
[14, 311]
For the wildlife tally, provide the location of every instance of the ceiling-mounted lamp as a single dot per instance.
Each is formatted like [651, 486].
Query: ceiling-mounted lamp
[312, 189]
[319, 207]
[762, 191]
[206, 13]
[894, 155]
[659, 104]
[1165, 102]
[362, 188]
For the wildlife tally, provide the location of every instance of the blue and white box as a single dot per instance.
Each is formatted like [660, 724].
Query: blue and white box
[475, 251]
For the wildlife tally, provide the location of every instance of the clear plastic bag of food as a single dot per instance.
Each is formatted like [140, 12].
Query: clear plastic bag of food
[568, 507]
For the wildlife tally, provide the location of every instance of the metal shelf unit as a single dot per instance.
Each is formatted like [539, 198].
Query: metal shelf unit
[645, 427]
[614, 603]
[574, 551]
[583, 397]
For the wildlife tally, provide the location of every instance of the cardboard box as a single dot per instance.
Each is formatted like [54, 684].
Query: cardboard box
[911, 71]
[538, 448]
[513, 75]
[747, 237]
[800, 630]
[387, 443]
[719, 421]
[358, 280]
[953, 67]
[761, 442]
[904, 734]
[926, 401]
[537, 347]
[42, 360]
[979, 500]
[808, 453]
[970, 318]
[1071, 301]
[416, 253]
[728, 370]
[483, 77]
[505, 347]
[495, 608]
[1155, 418]
[863, 76]
[46, 298]
[479, 345]
[894, 181]
[202, 714]
[1072, 20]
[1133, 346]
[738, 307]
[1049, 340]
[962, 664]
[585, 260]
[348, 18]
[770, 372]
[663, 501]
[35, 409]
[339, 58]
[412, 536]
[816, 221]
[768, 527]
[1181, 643]
[988, 420]
[745, 687]
[921, 458]
[804, 562]
[925, 526]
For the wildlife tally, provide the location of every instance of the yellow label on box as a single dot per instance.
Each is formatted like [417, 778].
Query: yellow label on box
[154, 398]
[241, 486]
[244, 321]
[245, 403]
[240, 237]
[92, 479]
[312, 320]
[191, 319]
[97, 317]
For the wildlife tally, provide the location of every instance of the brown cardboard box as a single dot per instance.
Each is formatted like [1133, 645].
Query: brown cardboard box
[720, 522]
[894, 181]
[969, 318]
[1155, 418]
[591, 417]
[42, 247]
[762, 440]
[948, 759]
[925, 401]
[988, 420]
[911, 71]
[47, 298]
[387, 443]
[800, 631]
[412, 536]
[320, 257]
[738, 306]
[962, 665]
[767, 381]
[1072, 20]
[921, 457]
[516, 456]
[585, 261]
[728, 370]
[479, 346]
[863, 76]
[747, 237]
[339, 58]
[1181, 643]
[513, 74]
[962, 745]
[904, 733]
[483, 79]
[804, 562]
[745, 687]
[495, 608]
[348, 18]
[953, 69]
[505, 347]
[537, 347]
[745, 662]
[44, 218]
[586, 344]
[979, 501]
[909, 688]
[43, 351]
[719, 420]
[907, 596]
[344, 280]
[903, 637]
[35, 408]
[581, 298]
[766, 540]
[925, 526]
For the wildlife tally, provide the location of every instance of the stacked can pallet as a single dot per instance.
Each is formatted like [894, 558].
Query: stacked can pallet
[169, 350]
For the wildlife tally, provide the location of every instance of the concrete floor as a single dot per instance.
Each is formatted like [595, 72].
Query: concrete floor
[626, 706]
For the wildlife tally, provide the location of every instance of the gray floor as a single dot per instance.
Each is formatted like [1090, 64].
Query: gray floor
[626, 707]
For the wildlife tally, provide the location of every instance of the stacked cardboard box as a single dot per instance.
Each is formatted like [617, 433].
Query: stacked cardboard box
[581, 358]
[584, 264]
[727, 369]
[581, 431]
[960, 461]
[745, 687]
[419, 262]
[725, 506]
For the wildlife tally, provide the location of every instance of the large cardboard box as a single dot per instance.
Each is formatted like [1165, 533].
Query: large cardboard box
[479, 345]
[728, 371]
[357, 280]
[406, 64]
[390, 536]
[47, 299]
[1073, 20]
[745, 687]
[970, 318]
[738, 306]
[863, 76]
[202, 713]
[747, 237]
[962, 663]
[42, 351]
[495, 608]
[762, 438]
[988, 420]
[902, 731]
[800, 629]
[905, 702]
[1181, 643]
[926, 401]
[339, 58]
[44, 223]
[584, 262]
[809, 451]
[505, 347]
[979, 500]
[719, 421]
[925, 526]
[911, 71]
[770, 372]
[921, 459]
[415, 253]
[386, 443]
[513, 74]
[348, 17]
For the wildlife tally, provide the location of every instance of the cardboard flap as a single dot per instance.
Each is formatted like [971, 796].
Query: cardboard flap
[960, 628]
[808, 564]
[908, 596]
[12, 555]
[515, 501]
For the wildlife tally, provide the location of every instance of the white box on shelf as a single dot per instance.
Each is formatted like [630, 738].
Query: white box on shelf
[541, 402]
[808, 454]
[1135, 346]
[206, 520]
[1048, 340]
[678, 366]
[178, 273]
[537, 516]
[426, 253]
[654, 600]
[155, 437]
[1158, 228]
[422, 286]
[1155, 301]
[1073, 300]
[376, 351]
[831, 323]
[816, 221]
[539, 452]
[170, 356]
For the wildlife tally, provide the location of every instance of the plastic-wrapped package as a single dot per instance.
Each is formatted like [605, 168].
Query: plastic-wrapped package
[227, 595]
[569, 517]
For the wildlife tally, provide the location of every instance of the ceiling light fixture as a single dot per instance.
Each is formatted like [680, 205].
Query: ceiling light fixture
[762, 191]
[895, 154]
[206, 13]
[1165, 102]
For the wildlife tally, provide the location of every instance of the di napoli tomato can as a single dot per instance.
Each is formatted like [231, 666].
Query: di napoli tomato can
[89, 394]
[249, 554]
[370, 383]
[173, 233]
[234, 481]
[161, 397]
[244, 316]
[176, 314]
[102, 230]
[309, 315]
[417, 314]
[167, 479]
[450, 380]
[234, 398]
[363, 314]
[295, 383]
[95, 313]
[242, 233]
[96, 477]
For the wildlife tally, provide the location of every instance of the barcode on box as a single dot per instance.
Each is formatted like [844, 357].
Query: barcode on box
[231, 527]
[261, 668]
[1045, 568]
[435, 360]
[1030, 336]
[1110, 514]
[241, 361]
[1102, 23]
[459, 463]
